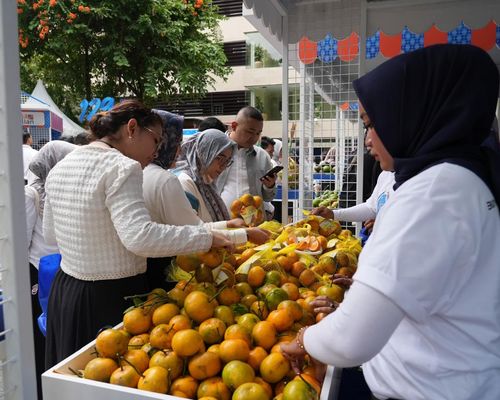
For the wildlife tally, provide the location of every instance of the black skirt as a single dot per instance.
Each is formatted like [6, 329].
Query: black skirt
[78, 309]
[157, 273]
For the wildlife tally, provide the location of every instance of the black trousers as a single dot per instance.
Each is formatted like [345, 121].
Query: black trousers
[354, 387]
[39, 339]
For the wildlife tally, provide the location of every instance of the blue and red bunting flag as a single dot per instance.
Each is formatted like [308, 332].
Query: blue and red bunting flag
[347, 49]
[353, 106]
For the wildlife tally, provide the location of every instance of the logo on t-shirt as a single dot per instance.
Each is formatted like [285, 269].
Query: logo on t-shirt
[382, 199]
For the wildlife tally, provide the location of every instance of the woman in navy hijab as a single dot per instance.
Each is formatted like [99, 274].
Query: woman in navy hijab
[423, 314]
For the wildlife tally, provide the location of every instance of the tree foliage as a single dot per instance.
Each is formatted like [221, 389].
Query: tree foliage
[149, 49]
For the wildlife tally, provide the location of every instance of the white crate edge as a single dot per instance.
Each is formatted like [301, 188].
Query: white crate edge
[60, 383]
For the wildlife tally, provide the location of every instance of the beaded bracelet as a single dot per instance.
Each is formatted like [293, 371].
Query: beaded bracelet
[299, 339]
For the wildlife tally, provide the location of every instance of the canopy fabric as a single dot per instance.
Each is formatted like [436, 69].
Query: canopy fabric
[40, 99]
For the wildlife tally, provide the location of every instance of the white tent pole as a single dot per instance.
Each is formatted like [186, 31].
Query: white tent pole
[18, 367]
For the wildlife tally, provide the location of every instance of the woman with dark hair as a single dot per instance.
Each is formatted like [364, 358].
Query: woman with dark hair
[427, 288]
[95, 212]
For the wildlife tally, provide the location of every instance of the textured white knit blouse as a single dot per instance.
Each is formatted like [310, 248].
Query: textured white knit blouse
[95, 213]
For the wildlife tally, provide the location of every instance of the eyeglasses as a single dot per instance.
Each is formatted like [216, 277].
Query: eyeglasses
[224, 161]
[158, 136]
[368, 126]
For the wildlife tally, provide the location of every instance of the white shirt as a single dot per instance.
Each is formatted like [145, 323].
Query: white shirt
[28, 154]
[95, 211]
[237, 179]
[167, 203]
[37, 247]
[369, 209]
[434, 254]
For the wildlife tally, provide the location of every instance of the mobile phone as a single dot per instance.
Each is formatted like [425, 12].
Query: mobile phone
[273, 171]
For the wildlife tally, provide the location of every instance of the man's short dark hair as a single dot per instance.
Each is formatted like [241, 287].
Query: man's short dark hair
[251, 112]
[81, 139]
[266, 141]
[212, 123]
[26, 137]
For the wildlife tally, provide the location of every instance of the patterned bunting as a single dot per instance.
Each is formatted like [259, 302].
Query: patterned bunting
[328, 49]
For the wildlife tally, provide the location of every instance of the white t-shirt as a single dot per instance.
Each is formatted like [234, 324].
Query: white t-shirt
[435, 252]
[237, 180]
[37, 246]
[369, 209]
[28, 154]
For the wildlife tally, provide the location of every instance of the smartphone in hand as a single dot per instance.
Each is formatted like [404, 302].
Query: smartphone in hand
[272, 171]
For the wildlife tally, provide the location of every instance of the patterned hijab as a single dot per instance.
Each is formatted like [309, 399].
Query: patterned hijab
[172, 138]
[197, 154]
[436, 105]
[48, 156]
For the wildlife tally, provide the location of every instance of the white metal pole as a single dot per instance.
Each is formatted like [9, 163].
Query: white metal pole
[18, 368]
[284, 118]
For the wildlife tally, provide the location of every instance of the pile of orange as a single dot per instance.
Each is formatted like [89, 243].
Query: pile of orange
[201, 341]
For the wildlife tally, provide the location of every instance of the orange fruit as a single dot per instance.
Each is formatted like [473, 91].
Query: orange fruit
[177, 295]
[251, 391]
[187, 342]
[248, 300]
[248, 321]
[328, 264]
[316, 285]
[228, 296]
[297, 268]
[279, 387]
[281, 319]
[333, 292]
[264, 334]
[346, 271]
[212, 258]
[161, 336]
[246, 255]
[225, 314]
[169, 360]
[154, 379]
[275, 297]
[126, 375]
[236, 372]
[257, 201]
[199, 306]
[255, 357]
[137, 321]
[164, 313]
[212, 330]
[237, 331]
[136, 342]
[137, 358]
[243, 288]
[291, 290]
[293, 257]
[274, 367]
[266, 386]
[186, 385]
[294, 308]
[287, 336]
[204, 365]
[214, 348]
[188, 262]
[111, 342]
[260, 309]
[284, 262]
[236, 206]
[180, 322]
[323, 241]
[100, 369]
[214, 387]
[247, 200]
[299, 390]
[307, 277]
[256, 276]
[234, 349]
[184, 285]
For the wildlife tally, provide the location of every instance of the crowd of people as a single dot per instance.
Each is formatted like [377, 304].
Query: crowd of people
[421, 316]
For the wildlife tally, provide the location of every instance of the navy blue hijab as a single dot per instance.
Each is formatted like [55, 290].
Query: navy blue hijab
[436, 105]
[172, 138]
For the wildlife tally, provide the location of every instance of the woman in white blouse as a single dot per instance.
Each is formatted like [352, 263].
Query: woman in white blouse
[95, 212]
